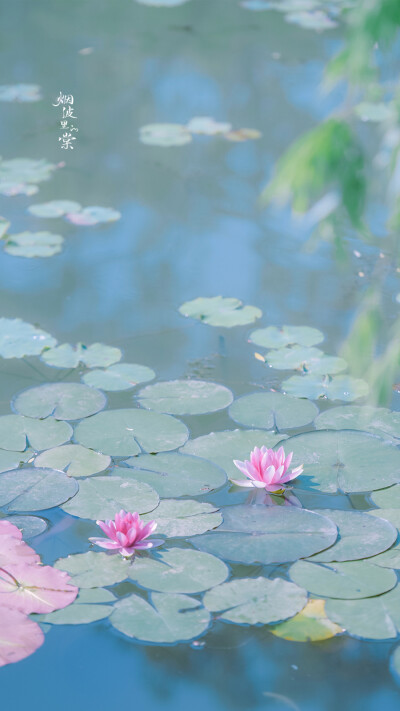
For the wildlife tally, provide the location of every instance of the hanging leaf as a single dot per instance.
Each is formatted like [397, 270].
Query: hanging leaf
[17, 432]
[179, 571]
[19, 339]
[177, 518]
[272, 410]
[35, 489]
[185, 397]
[220, 311]
[95, 356]
[74, 460]
[65, 401]
[103, 496]
[119, 377]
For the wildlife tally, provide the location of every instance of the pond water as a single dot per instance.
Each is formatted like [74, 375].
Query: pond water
[192, 225]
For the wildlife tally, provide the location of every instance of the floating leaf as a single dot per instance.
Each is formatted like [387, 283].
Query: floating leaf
[164, 134]
[378, 420]
[93, 215]
[339, 387]
[268, 534]
[12, 460]
[17, 432]
[177, 518]
[86, 608]
[179, 571]
[94, 570]
[119, 377]
[95, 356]
[220, 311]
[358, 537]
[373, 618]
[185, 397]
[20, 92]
[274, 337]
[308, 360]
[65, 401]
[123, 433]
[271, 410]
[73, 459]
[25, 170]
[353, 580]
[30, 526]
[11, 188]
[103, 496]
[168, 619]
[54, 208]
[35, 489]
[255, 601]
[33, 244]
[19, 636]
[207, 126]
[387, 498]
[35, 588]
[309, 625]
[174, 474]
[345, 461]
[19, 339]
[223, 447]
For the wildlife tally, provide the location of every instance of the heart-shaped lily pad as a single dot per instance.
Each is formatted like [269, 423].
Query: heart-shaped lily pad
[273, 337]
[271, 410]
[35, 489]
[93, 570]
[185, 397]
[255, 601]
[124, 433]
[176, 518]
[103, 496]
[338, 387]
[19, 339]
[74, 460]
[353, 580]
[220, 311]
[17, 432]
[96, 355]
[122, 376]
[308, 360]
[309, 625]
[33, 244]
[377, 420]
[172, 474]
[88, 607]
[65, 401]
[179, 571]
[372, 618]
[168, 619]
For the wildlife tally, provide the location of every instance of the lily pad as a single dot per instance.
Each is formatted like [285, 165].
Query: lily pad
[35, 588]
[122, 376]
[207, 126]
[253, 601]
[176, 518]
[25, 93]
[54, 208]
[352, 580]
[358, 537]
[268, 534]
[11, 188]
[179, 571]
[308, 360]
[30, 526]
[12, 460]
[103, 496]
[35, 489]
[344, 461]
[88, 607]
[94, 570]
[93, 215]
[25, 170]
[168, 619]
[17, 432]
[64, 401]
[378, 420]
[309, 625]
[19, 339]
[372, 618]
[174, 474]
[223, 447]
[220, 311]
[74, 460]
[95, 356]
[185, 397]
[338, 387]
[272, 410]
[19, 636]
[164, 134]
[124, 433]
[387, 498]
[33, 244]
[274, 337]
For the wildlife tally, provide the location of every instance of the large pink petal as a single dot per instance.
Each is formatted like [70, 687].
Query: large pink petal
[268, 474]
[247, 483]
[13, 550]
[276, 479]
[8, 529]
[19, 636]
[35, 588]
[151, 543]
[105, 543]
[292, 475]
[288, 461]
[107, 528]
[148, 529]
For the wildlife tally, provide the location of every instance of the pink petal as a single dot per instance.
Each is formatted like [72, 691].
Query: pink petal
[105, 543]
[148, 529]
[19, 636]
[35, 588]
[276, 479]
[268, 475]
[288, 461]
[292, 475]
[8, 529]
[247, 483]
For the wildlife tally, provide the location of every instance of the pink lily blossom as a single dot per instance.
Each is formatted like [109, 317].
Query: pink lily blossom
[267, 470]
[127, 534]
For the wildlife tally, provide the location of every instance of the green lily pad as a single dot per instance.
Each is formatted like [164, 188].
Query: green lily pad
[378, 420]
[253, 601]
[168, 619]
[54, 208]
[179, 571]
[345, 461]
[338, 387]
[352, 580]
[33, 244]
[271, 410]
[19, 339]
[174, 474]
[122, 376]
[185, 397]
[12, 460]
[94, 570]
[273, 337]
[65, 401]
[88, 607]
[308, 360]
[17, 432]
[11, 188]
[268, 534]
[20, 92]
[124, 433]
[93, 215]
[358, 537]
[309, 625]
[25, 170]
[387, 498]
[373, 618]
[220, 311]
[223, 447]
[74, 460]
[164, 134]
[35, 489]
[176, 518]
[30, 526]
[103, 496]
[95, 356]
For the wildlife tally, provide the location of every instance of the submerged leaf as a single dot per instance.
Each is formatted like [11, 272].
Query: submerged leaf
[164, 134]
[20, 92]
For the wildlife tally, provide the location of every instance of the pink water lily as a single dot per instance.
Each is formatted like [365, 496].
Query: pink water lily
[267, 470]
[127, 534]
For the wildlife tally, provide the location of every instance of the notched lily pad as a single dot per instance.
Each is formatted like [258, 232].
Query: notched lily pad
[93, 215]
[307, 360]
[220, 311]
[179, 571]
[64, 401]
[54, 208]
[122, 376]
[18, 432]
[96, 355]
[94, 570]
[274, 337]
[102, 496]
[30, 526]
[176, 518]
[33, 244]
[377, 420]
[35, 489]
[272, 410]
[19, 339]
[338, 387]
[185, 397]
[372, 618]
[74, 460]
